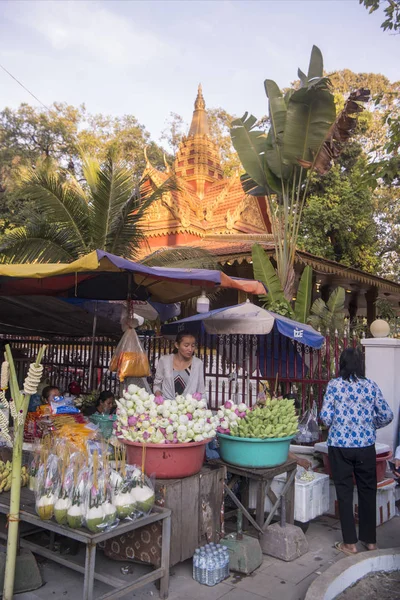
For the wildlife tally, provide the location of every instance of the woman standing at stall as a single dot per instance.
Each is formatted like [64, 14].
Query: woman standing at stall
[180, 372]
[354, 408]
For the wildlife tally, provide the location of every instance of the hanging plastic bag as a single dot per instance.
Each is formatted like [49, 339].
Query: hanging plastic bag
[129, 359]
[308, 426]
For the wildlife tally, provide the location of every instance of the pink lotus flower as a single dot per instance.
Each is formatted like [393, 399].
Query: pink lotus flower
[197, 396]
[159, 400]
[146, 435]
[242, 415]
[236, 411]
[189, 416]
[228, 404]
[163, 430]
[132, 421]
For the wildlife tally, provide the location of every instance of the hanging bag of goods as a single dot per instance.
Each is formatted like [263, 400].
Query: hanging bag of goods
[129, 359]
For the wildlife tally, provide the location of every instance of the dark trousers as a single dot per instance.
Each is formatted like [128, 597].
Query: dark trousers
[360, 463]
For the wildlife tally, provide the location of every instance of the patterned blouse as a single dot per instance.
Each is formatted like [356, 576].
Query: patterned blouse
[181, 379]
[354, 410]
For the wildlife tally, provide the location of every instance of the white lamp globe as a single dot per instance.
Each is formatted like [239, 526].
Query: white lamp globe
[203, 303]
[380, 328]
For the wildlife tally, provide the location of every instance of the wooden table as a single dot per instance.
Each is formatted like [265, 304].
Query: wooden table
[264, 478]
[91, 540]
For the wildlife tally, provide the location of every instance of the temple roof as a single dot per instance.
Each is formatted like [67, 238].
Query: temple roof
[205, 201]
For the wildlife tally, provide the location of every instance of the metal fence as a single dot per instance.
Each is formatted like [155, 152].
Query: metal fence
[234, 366]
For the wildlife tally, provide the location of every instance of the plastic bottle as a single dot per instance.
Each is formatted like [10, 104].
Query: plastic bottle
[227, 558]
[196, 558]
[202, 577]
[212, 569]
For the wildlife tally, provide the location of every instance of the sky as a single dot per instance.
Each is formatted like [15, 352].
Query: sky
[146, 58]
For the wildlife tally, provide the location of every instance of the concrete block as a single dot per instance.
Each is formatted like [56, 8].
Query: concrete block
[27, 574]
[286, 543]
[245, 555]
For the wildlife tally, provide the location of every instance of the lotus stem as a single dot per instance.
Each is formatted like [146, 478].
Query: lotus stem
[21, 402]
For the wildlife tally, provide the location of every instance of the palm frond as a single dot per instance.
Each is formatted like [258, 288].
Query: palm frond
[127, 231]
[188, 257]
[110, 190]
[38, 242]
[59, 200]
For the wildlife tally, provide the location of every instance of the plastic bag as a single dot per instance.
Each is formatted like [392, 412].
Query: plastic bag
[48, 481]
[100, 513]
[129, 359]
[308, 426]
[133, 493]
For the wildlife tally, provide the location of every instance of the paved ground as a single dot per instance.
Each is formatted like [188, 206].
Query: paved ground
[274, 580]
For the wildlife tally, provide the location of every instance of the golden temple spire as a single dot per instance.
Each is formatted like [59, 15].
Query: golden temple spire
[199, 125]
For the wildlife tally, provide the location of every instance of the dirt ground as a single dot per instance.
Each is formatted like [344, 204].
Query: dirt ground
[385, 586]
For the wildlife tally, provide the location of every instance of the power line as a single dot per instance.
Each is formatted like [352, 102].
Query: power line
[25, 88]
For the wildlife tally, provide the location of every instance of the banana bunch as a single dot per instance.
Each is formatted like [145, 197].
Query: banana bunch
[5, 476]
[275, 419]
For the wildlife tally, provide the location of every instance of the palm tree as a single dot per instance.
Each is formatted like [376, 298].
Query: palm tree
[73, 217]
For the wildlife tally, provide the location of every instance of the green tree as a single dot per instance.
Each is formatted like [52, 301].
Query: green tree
[338, 220]
[391, 10]
[27, 135]
[73, 217]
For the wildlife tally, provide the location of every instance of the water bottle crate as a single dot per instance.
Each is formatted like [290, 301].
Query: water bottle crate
[211, 564]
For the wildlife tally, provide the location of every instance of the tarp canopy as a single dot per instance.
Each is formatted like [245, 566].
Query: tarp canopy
[47, 316]
[103, 276]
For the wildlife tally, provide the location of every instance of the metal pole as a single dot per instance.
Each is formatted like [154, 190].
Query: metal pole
[91, 361]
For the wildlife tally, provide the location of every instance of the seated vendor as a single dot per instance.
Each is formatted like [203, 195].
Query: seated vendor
[49, 393]
[104, 404]
[180, 372]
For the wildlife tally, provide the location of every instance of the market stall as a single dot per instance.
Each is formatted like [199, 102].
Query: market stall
[71, 479]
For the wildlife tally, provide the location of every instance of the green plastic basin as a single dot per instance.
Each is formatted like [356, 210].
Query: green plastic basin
[253, 452]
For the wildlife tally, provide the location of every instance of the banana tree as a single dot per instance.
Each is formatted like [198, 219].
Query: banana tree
[275, 300]
[305, 136]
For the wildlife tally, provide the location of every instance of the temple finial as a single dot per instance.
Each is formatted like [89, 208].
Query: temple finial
[167, 167]
[199, 103]
[148, 164]
[199, 125]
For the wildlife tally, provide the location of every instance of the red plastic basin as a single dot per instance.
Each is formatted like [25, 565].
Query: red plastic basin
[168, 461]
[380, 465]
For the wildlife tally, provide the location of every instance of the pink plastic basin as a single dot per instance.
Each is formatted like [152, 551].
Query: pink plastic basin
[168, 461]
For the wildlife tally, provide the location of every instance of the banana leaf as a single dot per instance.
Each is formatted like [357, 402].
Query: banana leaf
[249, 143]
[310, 114]
[304, 296]
[265, 272]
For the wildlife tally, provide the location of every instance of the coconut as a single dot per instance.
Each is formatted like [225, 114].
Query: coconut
[144, 498]
[124, 504]
[96, 519]
[75, 516]
[110, 512]
[61, 510]
[45, 507]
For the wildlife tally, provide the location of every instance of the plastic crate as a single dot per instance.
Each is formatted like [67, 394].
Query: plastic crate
[311, 498]
[385, 501]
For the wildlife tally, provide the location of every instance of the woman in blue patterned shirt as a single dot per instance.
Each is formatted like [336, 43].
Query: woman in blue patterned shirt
[354, 409]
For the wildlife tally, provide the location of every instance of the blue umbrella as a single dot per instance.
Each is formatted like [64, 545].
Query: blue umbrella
[246, 318]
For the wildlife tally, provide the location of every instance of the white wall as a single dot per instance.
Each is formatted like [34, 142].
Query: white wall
[382, 361]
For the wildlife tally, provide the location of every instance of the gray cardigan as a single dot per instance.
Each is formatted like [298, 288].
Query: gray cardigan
[164, 378]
